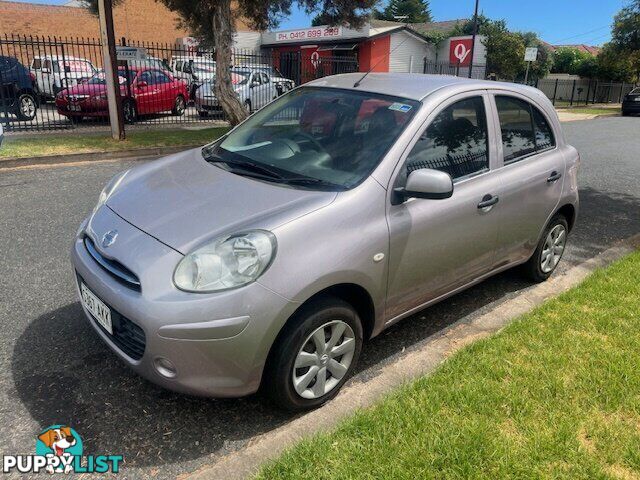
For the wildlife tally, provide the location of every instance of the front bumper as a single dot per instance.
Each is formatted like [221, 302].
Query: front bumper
[218, 343]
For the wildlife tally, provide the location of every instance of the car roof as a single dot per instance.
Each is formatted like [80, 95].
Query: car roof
[60, 57]
[413, 86]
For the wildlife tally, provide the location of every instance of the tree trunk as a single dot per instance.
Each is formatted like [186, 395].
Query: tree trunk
[223, 29]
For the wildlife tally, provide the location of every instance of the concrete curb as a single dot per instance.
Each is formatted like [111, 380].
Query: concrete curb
[135, 153]
[246, 462]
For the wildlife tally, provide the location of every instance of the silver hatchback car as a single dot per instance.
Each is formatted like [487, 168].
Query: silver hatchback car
[268, 257]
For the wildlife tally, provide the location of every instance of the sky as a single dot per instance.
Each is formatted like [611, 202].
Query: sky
[556, 21]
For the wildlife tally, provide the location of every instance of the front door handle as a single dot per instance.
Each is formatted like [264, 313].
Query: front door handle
[488, 201]
[555, 176]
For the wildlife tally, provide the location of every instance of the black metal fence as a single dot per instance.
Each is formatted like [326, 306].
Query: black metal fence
[576, 92]
[478, 71]
[59, 83]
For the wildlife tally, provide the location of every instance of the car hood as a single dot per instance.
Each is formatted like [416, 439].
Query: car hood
[184, 201]
[85, 89]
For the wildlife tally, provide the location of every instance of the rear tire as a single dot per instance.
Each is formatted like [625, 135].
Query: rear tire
[549, 251]
[179, 106]
[321, 369]
[247, 105]
[129, 111]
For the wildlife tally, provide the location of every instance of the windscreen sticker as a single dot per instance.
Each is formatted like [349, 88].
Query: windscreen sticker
[400, 107]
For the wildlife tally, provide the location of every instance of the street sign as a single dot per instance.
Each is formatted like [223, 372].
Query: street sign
[131, 53]
[531, 54]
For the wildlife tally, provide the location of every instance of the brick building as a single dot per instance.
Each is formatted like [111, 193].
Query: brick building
[138, 20]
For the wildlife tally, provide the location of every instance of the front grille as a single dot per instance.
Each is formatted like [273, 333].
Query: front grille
[127, 336]
[113, 267]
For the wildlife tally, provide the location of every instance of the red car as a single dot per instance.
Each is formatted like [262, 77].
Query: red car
[144, 91]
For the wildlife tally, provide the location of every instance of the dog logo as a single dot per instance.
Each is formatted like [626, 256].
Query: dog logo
[59, 450]
[59, 441]
[109, 238]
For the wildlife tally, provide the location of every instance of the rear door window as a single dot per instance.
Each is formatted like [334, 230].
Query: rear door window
[545, 139]
[518, 137]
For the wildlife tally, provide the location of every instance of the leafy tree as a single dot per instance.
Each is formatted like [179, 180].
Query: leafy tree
[568, 60]
[625, 35]
[417, 11]
[614, 66]
[213, 21]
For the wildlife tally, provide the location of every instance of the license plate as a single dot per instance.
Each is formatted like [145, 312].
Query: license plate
[74, 108]
[97, 308]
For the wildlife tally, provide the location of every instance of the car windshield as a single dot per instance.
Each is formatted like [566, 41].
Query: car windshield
[204, 68]
[635, 91]
[319, 137]
[240, 77]
[99, 78]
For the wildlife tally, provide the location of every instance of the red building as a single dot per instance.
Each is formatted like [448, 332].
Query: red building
[381, 46]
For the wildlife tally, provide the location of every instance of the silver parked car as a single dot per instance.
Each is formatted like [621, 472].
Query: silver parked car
[254, 88]
[268, 257]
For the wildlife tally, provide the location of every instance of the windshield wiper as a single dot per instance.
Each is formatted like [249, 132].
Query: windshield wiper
[250, 166]
[311, 181]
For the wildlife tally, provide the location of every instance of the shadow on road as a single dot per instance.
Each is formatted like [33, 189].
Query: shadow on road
[64, 374]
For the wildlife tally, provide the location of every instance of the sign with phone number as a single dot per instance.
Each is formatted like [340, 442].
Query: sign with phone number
[309, 34]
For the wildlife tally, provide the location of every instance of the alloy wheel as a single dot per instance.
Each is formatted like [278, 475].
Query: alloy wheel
[180, 106]
[27, 107]
[324, 359]
[553, 248]
[129, 112]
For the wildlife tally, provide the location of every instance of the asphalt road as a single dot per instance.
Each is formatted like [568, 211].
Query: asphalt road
[56, 370]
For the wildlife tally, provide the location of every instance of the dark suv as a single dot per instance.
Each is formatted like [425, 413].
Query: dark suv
[18, 92]
[631, 103]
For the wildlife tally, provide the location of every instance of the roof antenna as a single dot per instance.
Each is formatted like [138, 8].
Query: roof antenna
[406, 25]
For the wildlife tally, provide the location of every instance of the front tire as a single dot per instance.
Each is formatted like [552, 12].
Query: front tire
[314, 356]
[549, 251]
[247, 105]
[27, 107]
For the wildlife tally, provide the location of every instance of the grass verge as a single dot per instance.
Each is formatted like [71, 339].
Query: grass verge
[85, 143]
[591, 111]
[554, 395]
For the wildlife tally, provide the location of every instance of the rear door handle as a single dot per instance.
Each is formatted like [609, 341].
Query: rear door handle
[488, 201]
[555, 176]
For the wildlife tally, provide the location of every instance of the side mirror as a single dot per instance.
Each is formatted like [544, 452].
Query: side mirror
[426, 183]
[142, 84]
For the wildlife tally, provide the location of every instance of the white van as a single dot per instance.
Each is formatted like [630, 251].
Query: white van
[54, 72]
[193, 70]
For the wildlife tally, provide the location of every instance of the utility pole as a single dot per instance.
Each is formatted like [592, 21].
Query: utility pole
[111, 69]
[473, 37]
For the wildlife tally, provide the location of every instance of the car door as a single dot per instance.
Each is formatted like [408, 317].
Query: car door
[166, 91]
[437, 246]
[531, 174]
[145, 92]
[267, 89]
[254, 84]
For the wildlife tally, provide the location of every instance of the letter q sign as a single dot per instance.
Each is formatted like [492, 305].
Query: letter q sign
[460, 51]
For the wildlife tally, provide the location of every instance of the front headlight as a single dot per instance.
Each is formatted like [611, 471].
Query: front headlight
[108, 190]
[227, 262]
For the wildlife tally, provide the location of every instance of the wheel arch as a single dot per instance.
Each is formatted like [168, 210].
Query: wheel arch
[568, 210]
[353, 294]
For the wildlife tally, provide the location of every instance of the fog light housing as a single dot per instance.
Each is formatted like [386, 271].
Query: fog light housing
[165, 367]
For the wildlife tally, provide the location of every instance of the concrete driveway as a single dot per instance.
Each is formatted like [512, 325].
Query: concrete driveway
[55, 369]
